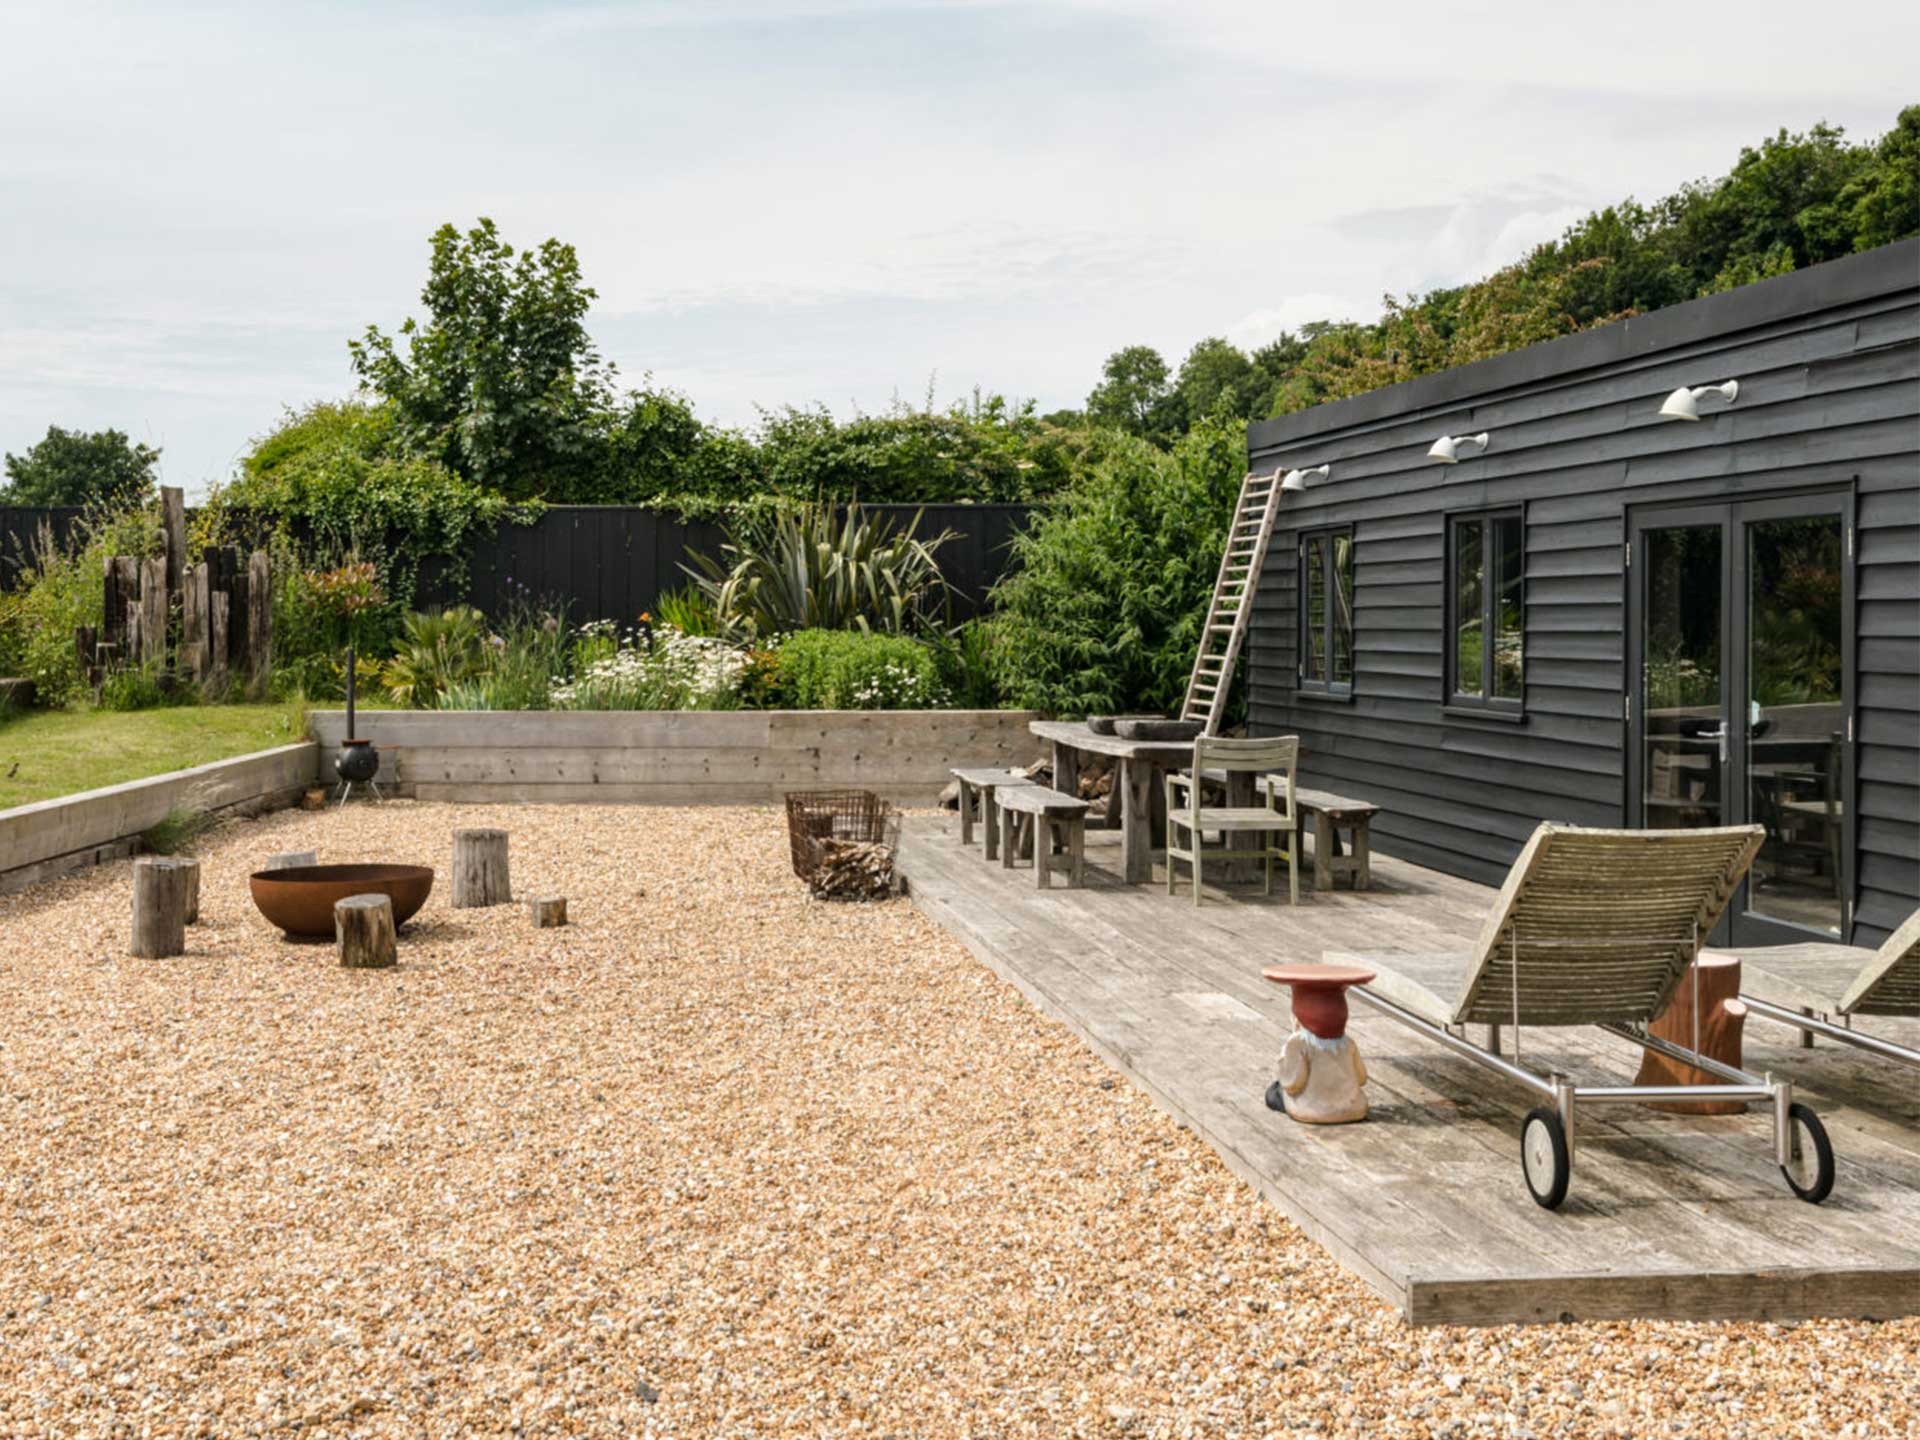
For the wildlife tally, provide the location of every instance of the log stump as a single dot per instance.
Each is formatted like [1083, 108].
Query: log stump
[363, 928]
[190, 881]
[480, 869]
[1722, 1025]
[159, 908]
[547, 911]
[291, 860]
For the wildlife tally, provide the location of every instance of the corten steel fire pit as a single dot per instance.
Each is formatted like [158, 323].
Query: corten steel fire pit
[301, 900]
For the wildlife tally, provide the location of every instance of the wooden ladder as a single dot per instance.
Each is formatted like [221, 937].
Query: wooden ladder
[1232, 605]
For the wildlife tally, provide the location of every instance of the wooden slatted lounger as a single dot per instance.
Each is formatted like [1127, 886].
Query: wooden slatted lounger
[1594, 927]
[1806, 986]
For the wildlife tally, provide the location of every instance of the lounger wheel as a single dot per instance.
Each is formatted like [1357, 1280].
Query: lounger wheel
[1809, 1174]
[1544, 1159]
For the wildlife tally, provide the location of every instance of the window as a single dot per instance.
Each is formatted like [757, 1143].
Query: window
[1486, 612]
[1326, 612]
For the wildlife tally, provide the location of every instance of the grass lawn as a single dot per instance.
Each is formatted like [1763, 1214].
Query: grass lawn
[46, 753]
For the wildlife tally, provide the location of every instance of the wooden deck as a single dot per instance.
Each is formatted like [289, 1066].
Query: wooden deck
[1669, 1216]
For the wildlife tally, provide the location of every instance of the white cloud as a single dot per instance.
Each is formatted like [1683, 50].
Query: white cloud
[1257, 327]
[798, 200]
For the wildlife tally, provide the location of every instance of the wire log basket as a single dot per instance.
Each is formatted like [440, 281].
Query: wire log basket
[842, 842]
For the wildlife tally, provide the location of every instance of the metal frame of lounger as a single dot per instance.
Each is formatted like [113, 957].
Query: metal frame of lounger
[1547, 1134]
[1887, 965]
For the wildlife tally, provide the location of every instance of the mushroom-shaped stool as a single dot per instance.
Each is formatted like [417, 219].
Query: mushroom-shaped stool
[1322, 1078]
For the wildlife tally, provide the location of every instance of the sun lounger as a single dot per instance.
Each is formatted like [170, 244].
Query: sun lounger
[1808, 986]
[1594, 927]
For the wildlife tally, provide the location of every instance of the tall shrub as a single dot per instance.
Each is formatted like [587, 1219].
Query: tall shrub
[1104, 611]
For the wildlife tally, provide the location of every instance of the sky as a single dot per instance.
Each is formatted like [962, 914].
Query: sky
[840, 202]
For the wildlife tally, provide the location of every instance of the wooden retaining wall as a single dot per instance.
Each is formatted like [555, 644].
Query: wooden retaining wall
[677, 757]
[51, 837]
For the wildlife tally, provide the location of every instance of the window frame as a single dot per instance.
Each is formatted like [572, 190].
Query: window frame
[1327, 688]
[1485, 705]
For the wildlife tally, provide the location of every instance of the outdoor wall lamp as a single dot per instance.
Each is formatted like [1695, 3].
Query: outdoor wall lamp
[1297, 479]
[1684, 403]
[1446, 450]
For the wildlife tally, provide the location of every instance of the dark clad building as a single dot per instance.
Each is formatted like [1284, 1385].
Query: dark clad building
[1611, 617]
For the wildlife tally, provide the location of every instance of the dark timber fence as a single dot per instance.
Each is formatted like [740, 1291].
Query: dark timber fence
[610, 562]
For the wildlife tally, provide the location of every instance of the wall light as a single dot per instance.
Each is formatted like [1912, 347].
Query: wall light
[1297, 479]
[1684, 403]
[1446, 450]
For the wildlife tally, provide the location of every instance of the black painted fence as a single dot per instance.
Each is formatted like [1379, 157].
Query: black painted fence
[610, 562]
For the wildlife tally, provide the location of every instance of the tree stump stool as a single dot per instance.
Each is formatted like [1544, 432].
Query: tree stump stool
[190, 878]
[547, 911]
[159, 908]
[292, 860]
[1723, 1020]
[480, 869]
[363, 928]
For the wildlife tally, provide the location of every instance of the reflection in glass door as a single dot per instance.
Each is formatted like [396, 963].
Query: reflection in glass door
[1796, 719]
[1740, 643]
[1682, 698]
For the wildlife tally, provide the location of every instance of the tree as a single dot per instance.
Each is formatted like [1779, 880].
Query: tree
[1793, 200]
[1103, 611]
[501, 384]
[76, 467]
[1217, 378]
[1136, 396]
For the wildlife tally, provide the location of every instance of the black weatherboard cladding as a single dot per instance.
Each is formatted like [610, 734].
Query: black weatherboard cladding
[1829, 367]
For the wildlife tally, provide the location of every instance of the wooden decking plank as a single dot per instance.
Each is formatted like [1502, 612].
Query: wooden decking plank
[1669, 1215]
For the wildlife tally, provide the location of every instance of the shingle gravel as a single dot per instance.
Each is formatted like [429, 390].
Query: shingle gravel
[713, 1160]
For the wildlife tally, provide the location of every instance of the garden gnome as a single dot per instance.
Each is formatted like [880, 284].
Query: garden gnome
[1322, 1078]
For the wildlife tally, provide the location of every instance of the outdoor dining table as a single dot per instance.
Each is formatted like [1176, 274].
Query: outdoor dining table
[1138, 766]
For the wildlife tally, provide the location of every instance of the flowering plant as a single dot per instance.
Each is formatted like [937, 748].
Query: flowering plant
[659, 669]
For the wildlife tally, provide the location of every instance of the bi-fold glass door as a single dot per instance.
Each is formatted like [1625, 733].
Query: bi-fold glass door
[1740, 655]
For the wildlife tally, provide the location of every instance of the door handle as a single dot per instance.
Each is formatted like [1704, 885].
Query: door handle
[1720, 734]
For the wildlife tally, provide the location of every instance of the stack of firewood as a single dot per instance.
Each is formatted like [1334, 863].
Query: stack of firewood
[852, 870]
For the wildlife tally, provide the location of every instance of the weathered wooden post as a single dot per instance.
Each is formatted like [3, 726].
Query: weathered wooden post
[547, 911]
[480, 869]
[363, 929]
[195, 597]
[259, 618]
[173, 535]
[159, 908]
[217, 620]
[122, 600]
[153, 610]
[291, 860]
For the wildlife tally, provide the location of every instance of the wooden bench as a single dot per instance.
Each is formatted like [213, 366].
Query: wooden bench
[980, 784]
[1030, 807]
[1331, 814]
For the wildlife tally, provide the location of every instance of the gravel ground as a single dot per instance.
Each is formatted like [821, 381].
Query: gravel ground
[712, 1161]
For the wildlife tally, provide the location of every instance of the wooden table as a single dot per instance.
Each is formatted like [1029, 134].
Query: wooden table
[1139, 762]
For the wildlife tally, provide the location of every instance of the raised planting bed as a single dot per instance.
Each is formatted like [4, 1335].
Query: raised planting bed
[677, 757]
[51, 837]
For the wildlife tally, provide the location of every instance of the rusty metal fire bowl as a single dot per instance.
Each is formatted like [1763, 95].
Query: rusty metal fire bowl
[300, 899]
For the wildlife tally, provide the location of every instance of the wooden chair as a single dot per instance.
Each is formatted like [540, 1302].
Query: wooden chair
[1812, 985]
[1274, 758]
[1594, 927]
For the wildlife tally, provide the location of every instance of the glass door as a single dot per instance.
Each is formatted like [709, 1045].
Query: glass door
[1741, 706]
